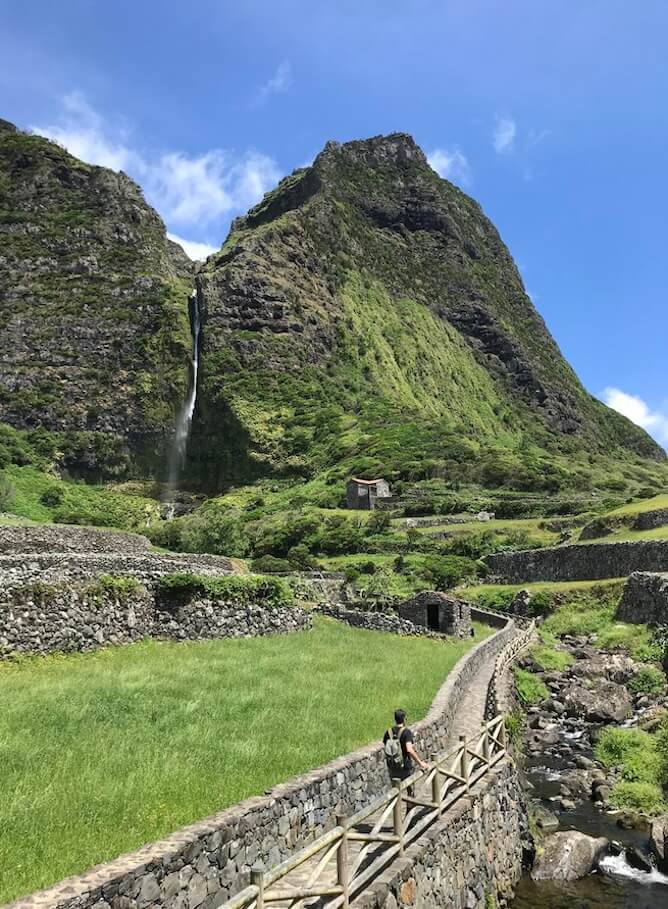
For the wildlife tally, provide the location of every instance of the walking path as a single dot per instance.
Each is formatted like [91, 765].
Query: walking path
[336, 868]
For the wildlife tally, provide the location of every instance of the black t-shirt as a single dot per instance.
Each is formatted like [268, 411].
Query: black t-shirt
[406, 737]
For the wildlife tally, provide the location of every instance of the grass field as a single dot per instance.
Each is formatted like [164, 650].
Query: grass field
[474, 591]
[102, 752]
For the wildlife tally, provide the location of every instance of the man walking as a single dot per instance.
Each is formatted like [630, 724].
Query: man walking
[400, 752]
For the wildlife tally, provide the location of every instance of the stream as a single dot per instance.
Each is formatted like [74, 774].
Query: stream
[617, 885]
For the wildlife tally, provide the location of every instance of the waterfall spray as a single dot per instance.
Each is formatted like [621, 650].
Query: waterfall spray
[178, 450]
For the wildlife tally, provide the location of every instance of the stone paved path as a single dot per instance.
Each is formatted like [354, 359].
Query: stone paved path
[467, 722]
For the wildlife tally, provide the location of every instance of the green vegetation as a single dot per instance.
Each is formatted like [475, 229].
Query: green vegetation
[531, 689]
[189, 729]
[637, 754]
[549, 658]
[242, 590]
[647, 680]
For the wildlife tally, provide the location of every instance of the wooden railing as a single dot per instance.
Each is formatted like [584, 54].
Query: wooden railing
[343, 861]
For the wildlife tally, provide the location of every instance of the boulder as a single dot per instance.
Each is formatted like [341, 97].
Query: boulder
[607, 702]
[658, 841]
[569, 856]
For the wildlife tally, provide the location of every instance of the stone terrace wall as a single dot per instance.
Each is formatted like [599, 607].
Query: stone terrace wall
[52, 568]
[470, 859]
[378, 621]
[318, 587]
[215, 855]
[593, 561]
[40, 619]
[648, 520]
[64, 538]
[645, 599]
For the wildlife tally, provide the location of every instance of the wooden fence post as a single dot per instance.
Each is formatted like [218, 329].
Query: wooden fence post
[485, 743]
[399, 816]
[436, 782]
[502, 733]
[257, 879]
[342, 861]
[464, 761]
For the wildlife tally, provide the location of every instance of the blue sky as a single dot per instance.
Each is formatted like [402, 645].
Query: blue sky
[552, 114]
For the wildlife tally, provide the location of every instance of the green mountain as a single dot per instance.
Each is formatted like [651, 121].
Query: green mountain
[367, 313]
[364, 317]
[94, 322]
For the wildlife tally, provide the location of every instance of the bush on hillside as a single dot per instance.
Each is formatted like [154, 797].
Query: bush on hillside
[7, 493]
[647, 680]
[240, 590]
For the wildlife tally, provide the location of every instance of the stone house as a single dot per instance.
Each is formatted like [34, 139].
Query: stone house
[362, 494]
[438, 612]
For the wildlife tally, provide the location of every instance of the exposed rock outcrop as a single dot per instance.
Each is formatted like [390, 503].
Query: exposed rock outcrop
[568, 856]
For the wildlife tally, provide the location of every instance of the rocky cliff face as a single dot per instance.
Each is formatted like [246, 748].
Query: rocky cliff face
[365, 314]
[367, 305]
[94, 325]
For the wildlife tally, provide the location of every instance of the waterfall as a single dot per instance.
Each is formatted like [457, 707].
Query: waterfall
[178, 450]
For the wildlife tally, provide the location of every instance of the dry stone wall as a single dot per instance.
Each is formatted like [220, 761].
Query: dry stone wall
[594, 561]
[645, 599]
[52, 538]
[471, 859]
[54, 568]
[211, 860]
[42, 619]
[377, 621]
[648, 520]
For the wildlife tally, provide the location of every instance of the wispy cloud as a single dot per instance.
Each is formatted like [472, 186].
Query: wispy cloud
[503, 138]
[639, 412]
[452, 165]
[187, 190]
[193, 249]
[280, 82]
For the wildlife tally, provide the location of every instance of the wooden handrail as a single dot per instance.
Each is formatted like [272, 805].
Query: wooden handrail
[449, 778]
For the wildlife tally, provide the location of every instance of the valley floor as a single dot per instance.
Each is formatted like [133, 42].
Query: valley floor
[103, 752]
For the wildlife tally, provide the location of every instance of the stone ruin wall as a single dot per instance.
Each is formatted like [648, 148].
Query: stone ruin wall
[40, 618]
[65, 538]
[212, 859]
[648, 520]
[593, 561]
[645, 599]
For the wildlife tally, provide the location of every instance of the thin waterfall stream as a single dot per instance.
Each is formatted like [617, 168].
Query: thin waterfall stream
[177, 453]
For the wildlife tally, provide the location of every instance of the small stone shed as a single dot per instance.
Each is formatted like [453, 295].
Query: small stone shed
[362, 494]
[438, 612]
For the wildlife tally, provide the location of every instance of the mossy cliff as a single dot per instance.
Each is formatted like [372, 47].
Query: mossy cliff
[94, 324]
[364, 317]
[366, 312]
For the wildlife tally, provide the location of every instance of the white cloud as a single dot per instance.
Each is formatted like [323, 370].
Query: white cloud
[192, 248]
[187, 190]
[81, 132]
[280, 82]
[504, 135]
[450, 164]
[638, 412]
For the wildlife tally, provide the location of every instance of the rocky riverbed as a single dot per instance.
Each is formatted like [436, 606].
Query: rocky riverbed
[590, 854]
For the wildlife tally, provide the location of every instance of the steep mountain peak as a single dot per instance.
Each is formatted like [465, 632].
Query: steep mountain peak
[397, 149]
[6, 126]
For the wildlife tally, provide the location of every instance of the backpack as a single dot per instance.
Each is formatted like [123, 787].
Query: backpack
[394, 754]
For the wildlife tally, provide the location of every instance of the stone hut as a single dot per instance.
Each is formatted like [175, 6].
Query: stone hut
[438, 612]
[362, 494]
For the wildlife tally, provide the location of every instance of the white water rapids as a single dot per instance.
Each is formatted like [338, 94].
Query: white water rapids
[180, 443]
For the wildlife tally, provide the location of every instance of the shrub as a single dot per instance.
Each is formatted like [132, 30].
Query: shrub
[646, 797]
[7, 493]
[530, 689]
[52, 497]
[378, 522]
[270, 563]
[300, 558]
[647, 680]
[631, 749]
[242, 590]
